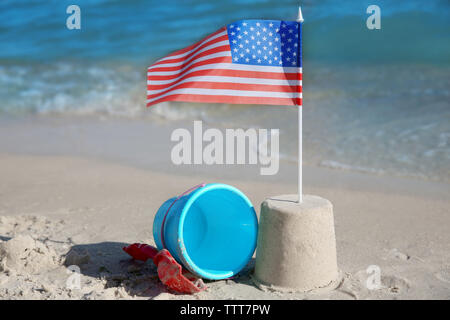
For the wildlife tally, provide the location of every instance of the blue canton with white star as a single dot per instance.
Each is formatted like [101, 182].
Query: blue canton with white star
[265, 43]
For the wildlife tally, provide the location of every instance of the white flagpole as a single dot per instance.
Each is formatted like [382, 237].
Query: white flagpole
[300, 137]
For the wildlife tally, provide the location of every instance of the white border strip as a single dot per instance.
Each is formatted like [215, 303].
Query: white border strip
[218, 79]
[223, 92]
[230, 66]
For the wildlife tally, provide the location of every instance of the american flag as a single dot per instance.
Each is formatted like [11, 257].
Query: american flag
[246, 62]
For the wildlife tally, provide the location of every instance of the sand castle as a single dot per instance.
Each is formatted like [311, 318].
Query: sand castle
[296, 244]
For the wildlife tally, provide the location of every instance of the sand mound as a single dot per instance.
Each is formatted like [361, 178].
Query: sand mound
[25, 255]
[11, 226]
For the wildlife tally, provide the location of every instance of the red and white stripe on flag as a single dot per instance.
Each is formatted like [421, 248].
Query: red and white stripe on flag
[205, 72]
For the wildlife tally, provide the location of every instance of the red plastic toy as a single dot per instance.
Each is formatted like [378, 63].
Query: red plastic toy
[170, 271]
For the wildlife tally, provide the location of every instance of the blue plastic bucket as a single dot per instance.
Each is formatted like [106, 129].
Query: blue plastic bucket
[211, 231]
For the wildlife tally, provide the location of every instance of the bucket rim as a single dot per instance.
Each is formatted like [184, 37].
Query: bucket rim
[184, 256]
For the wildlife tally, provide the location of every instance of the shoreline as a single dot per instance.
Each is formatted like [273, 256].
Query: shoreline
[127, 141]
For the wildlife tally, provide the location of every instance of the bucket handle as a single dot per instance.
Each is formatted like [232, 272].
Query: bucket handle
[201, 185]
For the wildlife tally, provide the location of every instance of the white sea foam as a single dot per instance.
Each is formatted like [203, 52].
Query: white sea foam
[342, 166]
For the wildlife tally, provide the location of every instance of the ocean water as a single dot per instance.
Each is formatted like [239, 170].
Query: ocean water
[376, 101]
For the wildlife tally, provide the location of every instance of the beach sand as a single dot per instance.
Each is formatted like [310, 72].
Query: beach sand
[66, 199]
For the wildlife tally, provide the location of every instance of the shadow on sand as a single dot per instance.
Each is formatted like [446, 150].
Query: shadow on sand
[107, 261]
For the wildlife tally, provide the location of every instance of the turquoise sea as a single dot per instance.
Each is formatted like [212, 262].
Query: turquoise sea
[374, 100]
